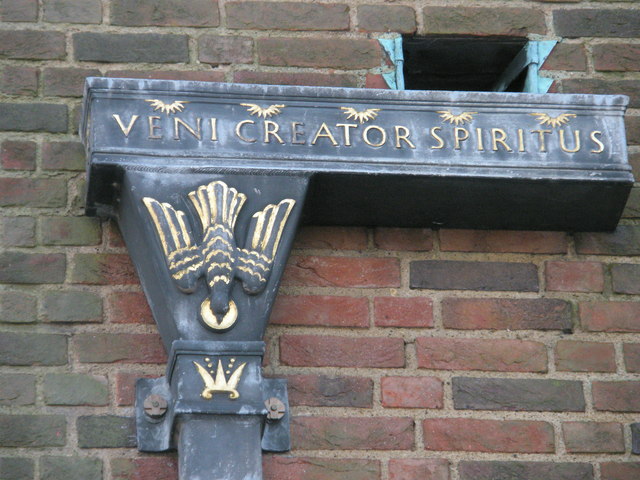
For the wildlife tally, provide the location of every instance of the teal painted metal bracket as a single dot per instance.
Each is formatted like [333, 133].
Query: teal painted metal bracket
[531, 58]
[393, 47]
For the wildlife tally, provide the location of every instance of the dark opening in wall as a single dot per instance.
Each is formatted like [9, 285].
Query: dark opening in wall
[449, 62]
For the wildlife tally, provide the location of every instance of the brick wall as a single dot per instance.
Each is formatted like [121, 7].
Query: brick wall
[410, 354]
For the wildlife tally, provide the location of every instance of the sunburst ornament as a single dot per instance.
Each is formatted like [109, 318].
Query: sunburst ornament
[362, 116]
[261, 112]
[176, 106]
[459, 119]
[546, 119]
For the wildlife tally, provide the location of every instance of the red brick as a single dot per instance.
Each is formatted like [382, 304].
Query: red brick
[418, 469]
[610, 316]
[506, 314]
[375, 80]
[20, 80]
[403, 312]
[386, 18]
[114, 237]
[333, 238]
[198, 76]
[103, 269]
[592, 437]
[574, 276]
[631, 357]
[620, 57]
[470, 435]
[128, 307]
[296, 78]
[620, 471]
[32, 45]
[218, 50]
[119, 348]
[324, 391]
[484, 21]
[619, 396]
[145, 468]
[18, 155]
[330, 433]
[567, 56]
[365, 272]
[411, 392]
[66, 82]
[287, 16]
[126, 387]
[481, 354]
[632, 127]
[167, 13]
[19, 10]
[319, 52]
[502, 241]
[575, 356]
[33, 192]
[407, 239]
[320, 311]
[306, 468]
[325, 351]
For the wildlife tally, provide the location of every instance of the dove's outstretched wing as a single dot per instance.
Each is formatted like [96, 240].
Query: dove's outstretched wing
[253, 265]
[183, 258]
[232, 383]
[209, 383]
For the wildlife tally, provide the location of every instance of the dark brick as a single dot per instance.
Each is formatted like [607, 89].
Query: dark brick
[18, 155]
[296, 78]
[625, 278]
[620, 471]
[32, 349]
[103, 269]
[287, 16]
[325, 391]
[293, 468]
[119, 348]
[19, 11]
[502, 241]
[18, 231]
[63, 156]
[625, 240]
[631, 353]
[517, 394]
[17, 390]
[484, 21]
[610, 316]
[32, 45]
[632, 126]
[70, 468]
[198, 76]
[580, 356]
[384, 18]
[72, 11]
[70, 231]
[32, 268]
[328, 433]
[604, 86]
[506, 313]
[32, 431]
[632, 208]
[75, 389]
[33, 117]
[411, 392]
[170, 13]
[218, 50]
[593, 437]
[484, 276]
[319, 52]
[567, 56]
[19, 80]
[634, 158]
[17, 307]
[15, 468]
[404, 239]
[131, 47]
[418, 469]
[107, 431]
[71, 307]
[621, 396]
[66, 82]
[594, 22]
[472, 470]
[321, 311]
[616, 57]
[33, 192]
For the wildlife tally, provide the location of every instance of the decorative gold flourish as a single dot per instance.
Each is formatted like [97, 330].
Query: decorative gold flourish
[545, 119]
[460, 119]
[362, 116]
[220, 384]
[167, 108]
[268, 112]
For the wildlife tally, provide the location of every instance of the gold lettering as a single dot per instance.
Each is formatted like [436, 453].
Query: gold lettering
[347, 132]
[437, 137]
[520, 140]
[239, 131]
[543, 146]
[126, 130]
[153, 127]
[383, 136]
[214, 129]
[271, 128]
[495, 139]
[479, 139]
[177, 122]
[576, 142]
[456, 135]
[295, 132]
[327, 134]
[597, 142]
[404, 136]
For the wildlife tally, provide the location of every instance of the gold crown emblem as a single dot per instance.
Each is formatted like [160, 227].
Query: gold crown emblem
[220, 384]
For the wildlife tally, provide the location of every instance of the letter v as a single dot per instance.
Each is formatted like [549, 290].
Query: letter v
[124, 129]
